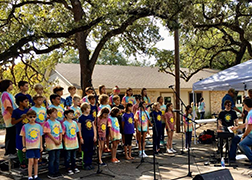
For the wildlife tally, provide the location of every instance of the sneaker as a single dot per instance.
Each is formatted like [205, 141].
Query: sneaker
[140, 153]
[144, 155]
[174, 151]
[114, 160]
[169, 151]
[103, 164]
[76, 170]
[117, 160]
[51, 176]
[70, 172]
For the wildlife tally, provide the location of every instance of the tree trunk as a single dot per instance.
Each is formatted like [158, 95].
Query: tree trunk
[80, 39]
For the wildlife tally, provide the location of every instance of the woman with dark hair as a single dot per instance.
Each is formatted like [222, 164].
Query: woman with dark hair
[8, 105]
[145, 98]
[201, 108]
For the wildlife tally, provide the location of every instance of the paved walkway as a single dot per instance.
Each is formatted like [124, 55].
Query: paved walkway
[171, 166]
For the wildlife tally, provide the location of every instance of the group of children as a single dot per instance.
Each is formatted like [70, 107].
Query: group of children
[67, 125]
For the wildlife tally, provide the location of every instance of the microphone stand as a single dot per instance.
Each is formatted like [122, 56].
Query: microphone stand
[188, 152]
[99, 171]
[181, 118]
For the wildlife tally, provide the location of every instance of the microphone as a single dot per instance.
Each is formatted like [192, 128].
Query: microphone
[149, 105]
[171, 86]
[176, 110]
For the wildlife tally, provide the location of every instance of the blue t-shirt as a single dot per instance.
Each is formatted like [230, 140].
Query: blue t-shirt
[62, 102]
[28, 96]
[128, 119]
[93, 110]
[157, 117]
[87, 130]
[16, 114]
[69, 101]
[227, 97]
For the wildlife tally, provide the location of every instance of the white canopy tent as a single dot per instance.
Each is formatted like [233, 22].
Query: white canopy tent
[238, 77]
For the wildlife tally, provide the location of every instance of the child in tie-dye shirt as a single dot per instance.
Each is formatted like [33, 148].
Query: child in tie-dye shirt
[40, 91]
[115, 136]
[187, 119]
[32, 143]
[53, 139]
[128, 98]
[75, 107]
[55, 100]
[39, 109]
[70, 130]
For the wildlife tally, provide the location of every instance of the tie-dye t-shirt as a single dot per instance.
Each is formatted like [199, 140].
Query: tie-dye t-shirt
[249, 119]
[53, 127]
[115, 128]
[162, 109]
[85, 99]
[146, 100]
[7, 100]
[128, 99]
[32, 133]
[188, 121]
[142, 120]
[70, 131]
[103, 106]
[41, 115]
[60, 113]
[77, 111]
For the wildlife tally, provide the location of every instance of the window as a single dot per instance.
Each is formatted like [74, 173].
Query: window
[197, 97]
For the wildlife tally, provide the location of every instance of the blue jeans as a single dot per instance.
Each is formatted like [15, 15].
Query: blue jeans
[245, 146]
[54, 158]
[188, 139]
[233, 147]
[70, 156]
[202, 115]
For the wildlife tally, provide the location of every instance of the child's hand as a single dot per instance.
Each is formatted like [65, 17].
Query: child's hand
[23, 116]
[24, 149]
[58, 142]
[95, 138]
[41, 149]
[82, 141]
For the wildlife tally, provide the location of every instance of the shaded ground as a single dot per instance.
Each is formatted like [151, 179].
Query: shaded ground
[170, 167]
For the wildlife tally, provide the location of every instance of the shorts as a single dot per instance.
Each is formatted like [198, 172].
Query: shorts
[33, 153]
[128, 139]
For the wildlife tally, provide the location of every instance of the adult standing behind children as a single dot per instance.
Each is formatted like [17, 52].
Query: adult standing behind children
[53, 139]
[201, 108]
[69, 99]
[24, 87]
[19, 119]
[32, 143]
[59, 90]
[7, 107]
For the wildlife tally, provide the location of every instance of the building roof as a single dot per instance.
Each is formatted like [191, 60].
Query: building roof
[128, 76]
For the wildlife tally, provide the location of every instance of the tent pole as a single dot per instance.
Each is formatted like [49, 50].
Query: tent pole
[194, 113]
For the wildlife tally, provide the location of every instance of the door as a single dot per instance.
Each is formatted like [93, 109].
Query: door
[168, 98]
